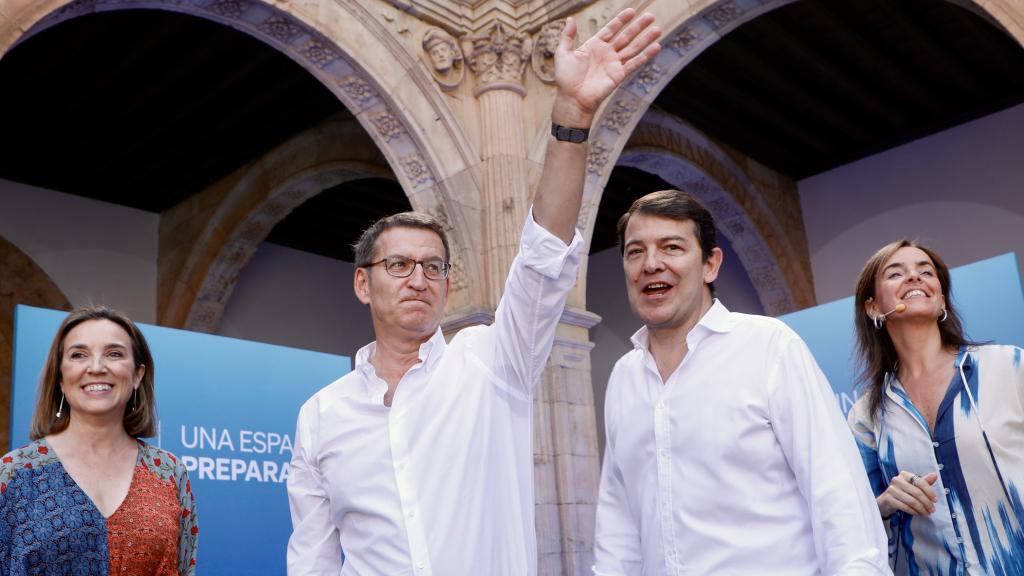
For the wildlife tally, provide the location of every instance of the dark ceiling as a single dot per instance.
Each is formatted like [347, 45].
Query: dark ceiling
[144, 108]
[330, 222]
[820, 83]
[817, 84]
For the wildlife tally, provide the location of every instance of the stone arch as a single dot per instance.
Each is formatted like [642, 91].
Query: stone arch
[22, 281]
[679, 154]
[203, 250]
[690, 29]
[354, 55]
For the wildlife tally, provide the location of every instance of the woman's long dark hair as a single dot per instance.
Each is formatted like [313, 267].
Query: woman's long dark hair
[874, 347]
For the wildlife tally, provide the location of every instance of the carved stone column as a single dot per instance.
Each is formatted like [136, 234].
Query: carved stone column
[498, 58]
[566, 467]
[565, 455]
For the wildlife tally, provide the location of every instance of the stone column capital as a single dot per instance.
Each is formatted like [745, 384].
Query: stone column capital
[498, 58]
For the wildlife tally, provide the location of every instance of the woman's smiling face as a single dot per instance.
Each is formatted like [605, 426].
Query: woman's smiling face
[909, 278]
[98, 372]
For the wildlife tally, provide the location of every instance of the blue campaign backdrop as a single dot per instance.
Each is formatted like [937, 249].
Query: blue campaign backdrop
[987, 294]
[227, 408]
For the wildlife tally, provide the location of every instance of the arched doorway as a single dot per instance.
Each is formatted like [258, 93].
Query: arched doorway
[22, 281]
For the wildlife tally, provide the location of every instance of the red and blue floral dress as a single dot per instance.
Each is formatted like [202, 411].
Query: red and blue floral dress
[49, 526]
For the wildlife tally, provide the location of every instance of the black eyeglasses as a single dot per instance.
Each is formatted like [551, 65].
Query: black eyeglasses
[402, 267]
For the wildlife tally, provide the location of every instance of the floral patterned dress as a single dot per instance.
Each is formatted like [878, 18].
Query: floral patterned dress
[49, 526]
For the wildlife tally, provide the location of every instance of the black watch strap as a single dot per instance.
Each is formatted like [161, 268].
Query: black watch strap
[566, 134]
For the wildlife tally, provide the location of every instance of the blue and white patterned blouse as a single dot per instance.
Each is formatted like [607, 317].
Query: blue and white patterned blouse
[977, 447]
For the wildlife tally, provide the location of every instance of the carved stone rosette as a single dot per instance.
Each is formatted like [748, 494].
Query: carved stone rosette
[543, 60]
[443, 57]
[498, 58]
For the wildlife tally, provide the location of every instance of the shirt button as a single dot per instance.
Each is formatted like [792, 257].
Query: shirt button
[420, 565]
[941, 466]
[945, 491]
[412, 514]
[959, 540]
[935, 444]
[662, 453]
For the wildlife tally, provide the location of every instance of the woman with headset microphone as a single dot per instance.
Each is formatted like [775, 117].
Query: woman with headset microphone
[940, 425]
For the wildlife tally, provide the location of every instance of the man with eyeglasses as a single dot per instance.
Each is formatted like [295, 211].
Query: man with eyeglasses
[420, 461]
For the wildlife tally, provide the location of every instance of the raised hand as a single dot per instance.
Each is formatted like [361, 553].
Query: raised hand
[585, 76]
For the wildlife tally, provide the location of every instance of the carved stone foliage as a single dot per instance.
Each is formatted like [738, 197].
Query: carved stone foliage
[229, 8]
[318, 52]
[498, 57]
[543, 60]
[280, 27]
[620, 113]
[723, 14]
[685, 39]
[388, 125]
[597, 156]
[358, 90]
[443, 57]
[417, 171]
[648, 77]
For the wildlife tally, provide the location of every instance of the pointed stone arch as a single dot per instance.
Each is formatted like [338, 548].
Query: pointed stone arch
[22, 281]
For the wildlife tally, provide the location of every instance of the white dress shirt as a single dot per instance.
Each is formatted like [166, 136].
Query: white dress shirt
[740, 463]
[442, 482]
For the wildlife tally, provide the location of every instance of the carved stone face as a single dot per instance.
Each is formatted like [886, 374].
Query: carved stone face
[548, 41]
[442, 57]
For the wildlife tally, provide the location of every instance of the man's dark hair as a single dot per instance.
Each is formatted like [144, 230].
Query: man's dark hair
[367, 243]
[674, 205]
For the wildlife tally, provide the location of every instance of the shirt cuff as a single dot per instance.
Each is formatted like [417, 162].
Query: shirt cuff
[544, 252]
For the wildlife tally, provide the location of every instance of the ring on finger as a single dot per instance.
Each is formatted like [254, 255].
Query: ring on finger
[914, 479]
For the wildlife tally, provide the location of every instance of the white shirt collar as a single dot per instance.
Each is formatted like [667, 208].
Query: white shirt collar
[716, 319]
[429, 353]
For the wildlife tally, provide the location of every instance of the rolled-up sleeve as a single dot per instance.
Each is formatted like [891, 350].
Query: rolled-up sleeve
[538, 284]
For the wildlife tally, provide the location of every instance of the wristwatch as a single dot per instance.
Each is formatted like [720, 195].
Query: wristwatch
[566, 134]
